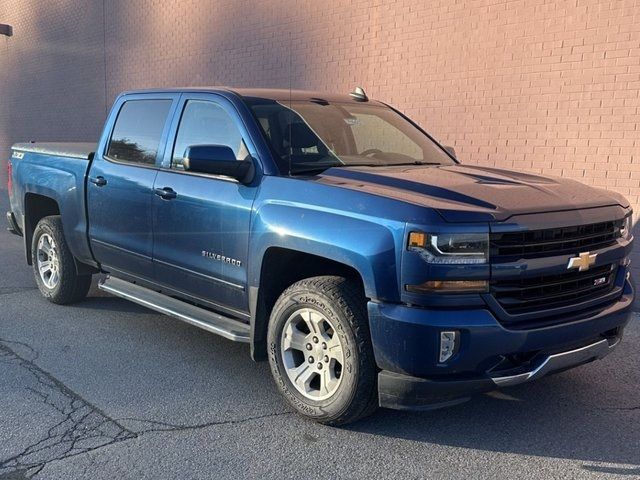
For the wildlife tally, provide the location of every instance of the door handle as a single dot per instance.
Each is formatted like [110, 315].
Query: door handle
[166, 193]
[98, 181]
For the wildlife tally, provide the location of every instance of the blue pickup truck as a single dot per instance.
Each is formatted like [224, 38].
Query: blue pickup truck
[336, 237]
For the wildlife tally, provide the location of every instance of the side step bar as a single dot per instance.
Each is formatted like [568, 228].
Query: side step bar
[213, 322]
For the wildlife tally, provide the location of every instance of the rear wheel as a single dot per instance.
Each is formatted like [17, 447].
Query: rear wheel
[320, 350]
[53, 264]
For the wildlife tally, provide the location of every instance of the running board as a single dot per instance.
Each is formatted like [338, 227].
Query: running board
[213, 322]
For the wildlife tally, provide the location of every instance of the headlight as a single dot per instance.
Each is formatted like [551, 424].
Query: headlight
[626, 227]
[454, 248]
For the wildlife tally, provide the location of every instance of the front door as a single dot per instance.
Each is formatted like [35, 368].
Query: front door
[201, 235]
[120, 186]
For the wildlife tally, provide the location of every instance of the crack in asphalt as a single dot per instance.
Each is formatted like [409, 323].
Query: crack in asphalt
[170, 427]
[81, 427]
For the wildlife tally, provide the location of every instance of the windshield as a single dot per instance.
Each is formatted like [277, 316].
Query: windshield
[315, 135]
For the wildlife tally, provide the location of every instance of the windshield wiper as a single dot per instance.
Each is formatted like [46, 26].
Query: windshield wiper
[322, 167]
[314, 168]
[363, 164]
[416, 162]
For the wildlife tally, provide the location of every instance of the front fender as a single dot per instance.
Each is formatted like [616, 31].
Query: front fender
[371, 246]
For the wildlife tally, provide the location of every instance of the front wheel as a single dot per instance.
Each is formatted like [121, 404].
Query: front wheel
[53, 264]
[320, 350]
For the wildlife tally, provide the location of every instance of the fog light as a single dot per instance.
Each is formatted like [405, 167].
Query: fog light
[448, 345]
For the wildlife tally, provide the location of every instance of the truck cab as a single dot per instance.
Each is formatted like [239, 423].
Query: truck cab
[336, 237]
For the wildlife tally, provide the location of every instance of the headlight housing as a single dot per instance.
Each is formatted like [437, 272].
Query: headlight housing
[451, 248]
[626, 227]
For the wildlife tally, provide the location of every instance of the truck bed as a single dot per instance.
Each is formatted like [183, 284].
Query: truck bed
[58, 172]
[79, 150]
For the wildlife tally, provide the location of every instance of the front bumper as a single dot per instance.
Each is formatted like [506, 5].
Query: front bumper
[405, 341]
[403, 392]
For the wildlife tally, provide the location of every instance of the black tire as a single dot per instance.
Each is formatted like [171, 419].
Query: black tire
[70, 287]
[342, 302]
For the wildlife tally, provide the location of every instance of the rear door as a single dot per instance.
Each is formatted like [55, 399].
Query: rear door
[120, 186]
[201, 235]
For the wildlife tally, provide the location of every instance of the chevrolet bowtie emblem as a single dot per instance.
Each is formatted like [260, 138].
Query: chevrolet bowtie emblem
[583, 261]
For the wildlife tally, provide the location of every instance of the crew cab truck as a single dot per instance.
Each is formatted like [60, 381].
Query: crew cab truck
[336, 237]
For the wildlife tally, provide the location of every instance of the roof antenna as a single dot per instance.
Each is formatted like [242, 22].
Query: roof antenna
[290, 105]
[359, 95]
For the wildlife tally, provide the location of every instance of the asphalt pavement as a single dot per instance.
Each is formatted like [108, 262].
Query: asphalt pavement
[108, 390]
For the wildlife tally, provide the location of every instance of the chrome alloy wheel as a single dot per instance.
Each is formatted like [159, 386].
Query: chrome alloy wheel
[312, 354]
[48, 261]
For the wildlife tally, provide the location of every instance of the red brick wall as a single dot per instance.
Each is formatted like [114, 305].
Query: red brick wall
[544, 86]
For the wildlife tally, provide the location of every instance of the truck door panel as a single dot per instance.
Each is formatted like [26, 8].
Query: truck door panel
[120, 186]
[201, 235]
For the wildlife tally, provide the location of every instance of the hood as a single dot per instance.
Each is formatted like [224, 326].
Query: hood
[470, 193]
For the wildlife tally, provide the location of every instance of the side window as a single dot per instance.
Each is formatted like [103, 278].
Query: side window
[138, 131]
[206, 123]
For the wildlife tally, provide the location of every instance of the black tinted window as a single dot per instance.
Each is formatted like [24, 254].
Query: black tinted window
[138, 130]
[206, 123]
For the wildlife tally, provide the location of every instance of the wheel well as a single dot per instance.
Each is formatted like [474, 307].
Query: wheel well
[280, 269]
[36, 207]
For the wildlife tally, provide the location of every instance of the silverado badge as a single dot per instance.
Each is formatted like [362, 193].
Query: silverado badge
[221, 258]
[582, 262]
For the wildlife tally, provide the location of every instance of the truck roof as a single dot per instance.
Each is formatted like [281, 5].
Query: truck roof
[277, 94]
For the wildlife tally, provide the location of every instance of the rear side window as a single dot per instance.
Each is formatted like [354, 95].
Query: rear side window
[138, 131]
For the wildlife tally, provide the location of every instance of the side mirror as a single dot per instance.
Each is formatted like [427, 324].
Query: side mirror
[218, 160]
[450, 150]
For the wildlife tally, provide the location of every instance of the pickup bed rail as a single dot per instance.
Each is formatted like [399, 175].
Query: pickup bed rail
[80, 150]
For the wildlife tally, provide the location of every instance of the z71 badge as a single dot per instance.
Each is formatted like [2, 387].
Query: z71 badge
[221, 258]
[18, 155]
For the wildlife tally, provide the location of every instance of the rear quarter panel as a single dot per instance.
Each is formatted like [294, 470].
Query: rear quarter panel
[61, 179]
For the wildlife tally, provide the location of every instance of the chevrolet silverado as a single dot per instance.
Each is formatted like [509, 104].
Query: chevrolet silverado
[335, 236]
